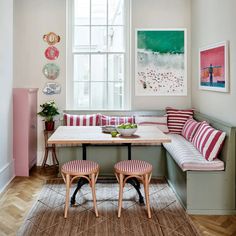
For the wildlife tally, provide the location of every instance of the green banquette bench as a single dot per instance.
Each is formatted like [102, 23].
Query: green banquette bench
[200, 192]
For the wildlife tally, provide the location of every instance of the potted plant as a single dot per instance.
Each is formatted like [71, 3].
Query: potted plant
[49, 110]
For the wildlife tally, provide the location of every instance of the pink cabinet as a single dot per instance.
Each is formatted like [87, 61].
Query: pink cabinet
[24, 129]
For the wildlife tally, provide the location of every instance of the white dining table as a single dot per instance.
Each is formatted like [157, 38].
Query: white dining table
[93, 135]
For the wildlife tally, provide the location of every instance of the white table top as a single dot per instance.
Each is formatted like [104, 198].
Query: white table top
[94, 135]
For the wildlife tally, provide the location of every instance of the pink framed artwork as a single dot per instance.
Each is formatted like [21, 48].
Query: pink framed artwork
[213, 67]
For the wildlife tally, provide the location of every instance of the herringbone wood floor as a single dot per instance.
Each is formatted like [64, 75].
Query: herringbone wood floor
[18, 198]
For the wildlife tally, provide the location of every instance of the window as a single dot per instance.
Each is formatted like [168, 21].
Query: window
[98, 58]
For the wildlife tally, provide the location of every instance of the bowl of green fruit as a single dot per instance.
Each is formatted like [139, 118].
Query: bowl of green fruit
[127, 129]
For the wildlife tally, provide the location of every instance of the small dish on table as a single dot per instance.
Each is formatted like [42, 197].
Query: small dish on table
[108, 128]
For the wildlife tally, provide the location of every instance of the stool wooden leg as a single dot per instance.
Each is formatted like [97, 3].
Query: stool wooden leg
[94, 194]
[121, 177]
[146, 189]
[67, 195]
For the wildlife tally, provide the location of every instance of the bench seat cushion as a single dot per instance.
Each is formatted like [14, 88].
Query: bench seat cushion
[188, 157]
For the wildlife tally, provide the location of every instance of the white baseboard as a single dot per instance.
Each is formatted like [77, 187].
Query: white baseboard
[7, 174]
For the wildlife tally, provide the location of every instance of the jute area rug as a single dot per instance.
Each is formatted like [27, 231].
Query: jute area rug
[46, 216]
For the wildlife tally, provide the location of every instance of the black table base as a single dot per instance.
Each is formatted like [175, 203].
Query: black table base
[82, 181]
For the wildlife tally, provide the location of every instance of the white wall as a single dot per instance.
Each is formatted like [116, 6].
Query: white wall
[6, 80]
[161, 14]
[214, 21]
[33, 19]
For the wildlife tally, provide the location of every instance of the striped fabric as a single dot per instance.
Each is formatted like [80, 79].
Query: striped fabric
[177, 118]
[79, 166]
[188, 157]
[159, 121]
[208, 141]
[133, 166]
[115, 120]
[81, 120]
[190, 128]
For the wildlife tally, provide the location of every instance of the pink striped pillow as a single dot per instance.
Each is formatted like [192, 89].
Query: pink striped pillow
[159, 121]
[208, 141]
[177, 118]
[190, 128]
[81, 120]
[115, 120]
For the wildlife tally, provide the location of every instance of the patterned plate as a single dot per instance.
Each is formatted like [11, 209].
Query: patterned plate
[51, 71]
[51, 53]
[51, 38]
[52, 88]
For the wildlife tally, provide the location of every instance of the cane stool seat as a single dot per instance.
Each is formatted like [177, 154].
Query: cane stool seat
[133, 167]
[138, 169]
[80, 169]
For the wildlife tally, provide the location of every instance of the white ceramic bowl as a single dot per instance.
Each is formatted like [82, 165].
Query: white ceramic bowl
[126, 132]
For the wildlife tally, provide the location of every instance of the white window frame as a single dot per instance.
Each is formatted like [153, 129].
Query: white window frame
[70, 62]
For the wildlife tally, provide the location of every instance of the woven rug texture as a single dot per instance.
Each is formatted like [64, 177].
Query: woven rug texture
[46, 216]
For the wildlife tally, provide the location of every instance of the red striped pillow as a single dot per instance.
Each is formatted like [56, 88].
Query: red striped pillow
[81, 120]
[115, 120]
[177, 118]
[208, 141]
[190, 128]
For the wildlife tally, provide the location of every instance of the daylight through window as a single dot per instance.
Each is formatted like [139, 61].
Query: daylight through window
[99, 54]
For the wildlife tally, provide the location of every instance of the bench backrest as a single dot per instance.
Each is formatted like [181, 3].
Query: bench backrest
[228, 151]
[117, 113]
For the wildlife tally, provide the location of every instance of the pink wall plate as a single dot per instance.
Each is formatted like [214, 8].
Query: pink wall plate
[51, 53]
[51, 38]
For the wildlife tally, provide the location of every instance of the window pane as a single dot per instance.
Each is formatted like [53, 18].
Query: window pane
[99, 12]
[116, 39]
[82, 12]
[81, 95]
[81, 67]
[115, 95]
[98, 38]
[98, 95]
[116, 67]
[98, 67]
[99, 56]
[115, 12]
[81, 38]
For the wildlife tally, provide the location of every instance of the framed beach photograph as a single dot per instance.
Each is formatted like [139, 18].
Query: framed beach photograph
[161, 62]
[213, 67]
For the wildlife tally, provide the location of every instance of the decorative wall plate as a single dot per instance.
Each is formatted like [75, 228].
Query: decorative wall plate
[51, 71]
[51, 53]
[52, 88]
[51, 38]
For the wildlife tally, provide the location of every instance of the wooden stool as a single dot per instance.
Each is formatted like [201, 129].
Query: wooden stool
[80, 169]
[49, 148]
[141, 170]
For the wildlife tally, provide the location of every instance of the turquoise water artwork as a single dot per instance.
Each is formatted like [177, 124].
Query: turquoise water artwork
[160, 62]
